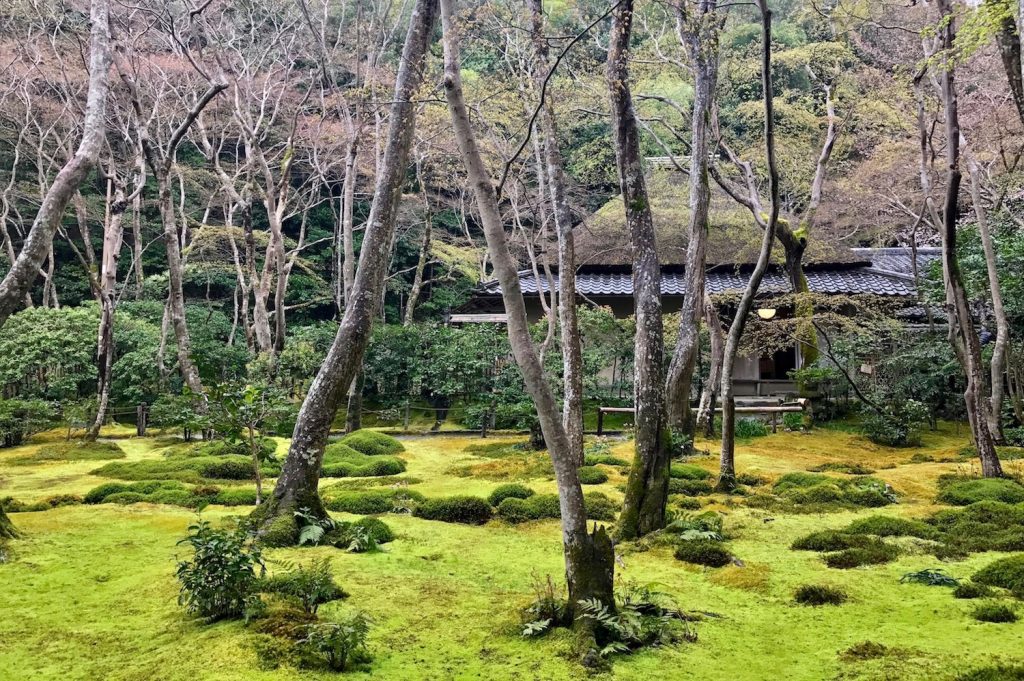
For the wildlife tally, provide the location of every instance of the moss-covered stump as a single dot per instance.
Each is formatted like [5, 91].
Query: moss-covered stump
[276, 522]
[7, 530]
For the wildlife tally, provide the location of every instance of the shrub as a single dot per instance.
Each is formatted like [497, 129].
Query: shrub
[310, 586]
[747, 428]
[819, 594]
[590, 475]
[1007, 573]
[962, 492]
[983, 526]
[967, 590]
[126, 498]
[929, 578]
[97, 495]
[998, 613]
[514, 510]
[829, 540]
[456, 509]
[220, 580]
[686, 471]
[898, 426]
[706, 552]
[599, 507]
[874, 553]
[889, 526]
[512, 490]
[372, 443]
[793, 421]
[339, 644]
[690, 488]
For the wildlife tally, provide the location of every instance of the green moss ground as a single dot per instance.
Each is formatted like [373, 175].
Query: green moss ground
[90, 592]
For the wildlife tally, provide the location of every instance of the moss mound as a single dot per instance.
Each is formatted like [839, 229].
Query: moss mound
[813, 492]
[603, 460]
[372, 443]
[819, 594]
[705, 552]
[997, 613]
[829, 540]
[995, 673]
[1006, 573]
[344, 532]
[685, 471]
[71, 451]
[589, 475]
[959, 491]
[194, 469]
[370, 502]
[968, 590]
[456, 509]
[873, 553]
[890, 526]
[690, 488]
[983, 526]
[512, 490]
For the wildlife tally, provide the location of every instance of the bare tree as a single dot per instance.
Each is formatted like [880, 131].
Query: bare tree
[589, 557]
[698, 25]
[727, 474]
[962, 332]
[647, 489]
[297, 486]
[39, 243]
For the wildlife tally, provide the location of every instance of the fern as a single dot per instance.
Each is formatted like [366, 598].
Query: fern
[311, 534]
[536, 628]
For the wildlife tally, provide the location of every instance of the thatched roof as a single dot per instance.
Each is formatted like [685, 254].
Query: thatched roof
[734, 238]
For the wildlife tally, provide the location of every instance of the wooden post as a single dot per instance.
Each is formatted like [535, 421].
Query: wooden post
[141, 415]
[600, 420]
[405, 419]
[775, 422]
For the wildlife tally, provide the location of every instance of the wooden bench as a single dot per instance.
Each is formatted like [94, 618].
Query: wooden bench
[773, 409]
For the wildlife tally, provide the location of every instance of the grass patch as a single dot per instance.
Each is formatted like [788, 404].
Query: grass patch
[994, 673]
[997, 613]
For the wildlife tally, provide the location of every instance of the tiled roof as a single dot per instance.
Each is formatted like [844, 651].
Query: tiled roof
[899, 261]
[858, 280]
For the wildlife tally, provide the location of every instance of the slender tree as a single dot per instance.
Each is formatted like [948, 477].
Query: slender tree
[297, 486]
[647, 489]
[698, 25]
[589, 557]
[727, 474]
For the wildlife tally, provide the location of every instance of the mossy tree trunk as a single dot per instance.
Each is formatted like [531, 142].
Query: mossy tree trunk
[647, 488]
[699, 32]
[300, 476]
[589, 557]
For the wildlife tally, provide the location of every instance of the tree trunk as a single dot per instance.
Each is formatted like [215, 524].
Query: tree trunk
[999, 349]
[589, 558]
[1009, 42]
[706, 409]
[39, 243]
[554, 170]
[348, 255]
[417, 282]
[7, 529]
[974, 398]
[297, 486]
[113, 234]
[727, 474]
[647, 489]
[354, 409]
[700, 35]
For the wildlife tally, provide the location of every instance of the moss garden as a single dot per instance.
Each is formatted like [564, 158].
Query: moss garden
[434, 560]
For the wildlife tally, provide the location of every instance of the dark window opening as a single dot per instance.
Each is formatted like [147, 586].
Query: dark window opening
[776, 367]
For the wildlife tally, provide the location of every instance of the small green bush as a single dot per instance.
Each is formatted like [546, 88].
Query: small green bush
[514, 510]
[599, 507]
[537, 507]
[965, 491]
[819, 594]
[1006, 573]
[311, 586]
[220, 581]
[889, 526]
[982, 526]
[98, 494]
[875, 553]
[341, 645]
[590, 475]
[898, 426]
[126, 498]
[372, 443]
[686, 471]
[456, 509]
[512, 490]
[706, 552]
[998, 613]
[829, 540]
[968, 590]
